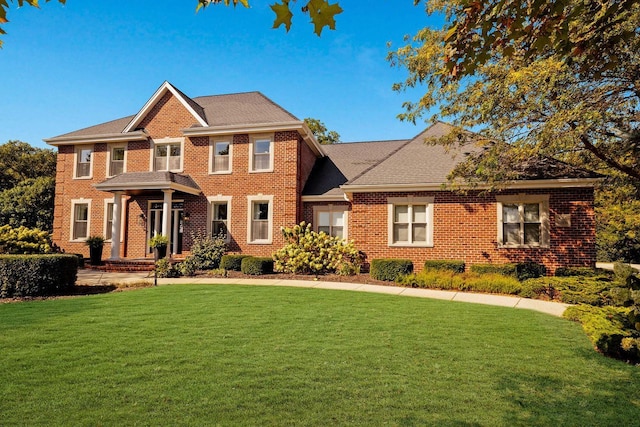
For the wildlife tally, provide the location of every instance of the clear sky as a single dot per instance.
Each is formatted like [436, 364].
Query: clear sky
[66, 67]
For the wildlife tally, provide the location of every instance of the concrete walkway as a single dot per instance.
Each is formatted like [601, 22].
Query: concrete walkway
[93, 277]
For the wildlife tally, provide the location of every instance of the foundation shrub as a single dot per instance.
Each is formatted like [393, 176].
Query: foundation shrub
[503, 269]
[452, 265]
[573, 290]
[36, 275]
[207, 251]
[189, 266]
[309, 252]
[24, 240]
[256, 266]
[581, 271]
[390, 269]
[449, 280]
[165, 269]
[521, 270]
[232, 262]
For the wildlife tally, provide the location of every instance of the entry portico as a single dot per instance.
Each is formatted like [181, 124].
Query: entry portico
[135, 184]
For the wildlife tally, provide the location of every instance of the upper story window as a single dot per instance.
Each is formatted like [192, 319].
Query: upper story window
[116, 160]
[261, 154]
[411, 221]
[84, 161]
[523, 221]
[168, 154]
[331, 220]
[220, 156]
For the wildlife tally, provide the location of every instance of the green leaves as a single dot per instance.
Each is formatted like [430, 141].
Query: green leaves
[322, 14]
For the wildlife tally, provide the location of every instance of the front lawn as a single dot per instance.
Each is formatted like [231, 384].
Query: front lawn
[235, 355]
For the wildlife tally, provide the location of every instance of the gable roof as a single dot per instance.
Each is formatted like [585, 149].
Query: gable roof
[216, 111]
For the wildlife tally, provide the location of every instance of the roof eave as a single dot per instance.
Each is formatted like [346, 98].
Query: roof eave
[299, 126]
[514, 185]
[142, 186]
[139, 135]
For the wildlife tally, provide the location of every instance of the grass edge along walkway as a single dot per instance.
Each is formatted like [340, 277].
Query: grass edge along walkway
[548, 307]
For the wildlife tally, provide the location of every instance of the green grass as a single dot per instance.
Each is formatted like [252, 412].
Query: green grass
[234, 355]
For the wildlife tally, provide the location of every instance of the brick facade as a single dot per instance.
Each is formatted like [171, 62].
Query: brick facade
[464, 225]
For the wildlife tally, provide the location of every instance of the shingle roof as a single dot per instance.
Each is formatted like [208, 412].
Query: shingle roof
[415, 162]
[150, 180]
[216, 110]
[344, 162]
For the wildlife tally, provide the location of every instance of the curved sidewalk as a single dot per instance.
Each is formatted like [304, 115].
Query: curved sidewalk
[92, 277]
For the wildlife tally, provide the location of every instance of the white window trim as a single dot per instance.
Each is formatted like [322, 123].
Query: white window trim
[110, 148]
[163, 141]
[122, 217]
[75, 161]
[75, 202]
[543, 200]
[410, 200]
[212, 147]
[217, 199]
[331, 208]
[264, 137]
[250, 201]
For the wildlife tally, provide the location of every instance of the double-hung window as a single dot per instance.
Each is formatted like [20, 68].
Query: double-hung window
[261, 154]
[523, 221]
[220, 216]
[84, 157]
[260, 219]
[80, 219]
[220, 156]
[167, 156]
[108, 222]
[116, 160]
[331, 220]
[410, 221]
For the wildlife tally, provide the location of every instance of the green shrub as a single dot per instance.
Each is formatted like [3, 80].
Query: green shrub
[36, 275]
[626, 276]
[453, 265]
[308, 252]
[23, 240]
[521, 270]
[609, 330]
[580, 271]
[232, 262]
[165, 269]
[189, 266]
[530, 270]
[207, 251]
[390, 269]
[504, 269]
[257, 266]
[448, 280]
[574, 290]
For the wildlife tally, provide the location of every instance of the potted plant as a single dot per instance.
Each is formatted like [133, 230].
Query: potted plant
[95, 243]
[159, 245]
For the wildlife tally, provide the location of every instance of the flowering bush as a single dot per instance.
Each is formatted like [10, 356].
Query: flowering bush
[309, 252]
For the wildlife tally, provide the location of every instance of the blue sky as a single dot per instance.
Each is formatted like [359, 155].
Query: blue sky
[66, 67]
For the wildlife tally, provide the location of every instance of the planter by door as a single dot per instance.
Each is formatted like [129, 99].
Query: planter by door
[159, 252]
[95, 254]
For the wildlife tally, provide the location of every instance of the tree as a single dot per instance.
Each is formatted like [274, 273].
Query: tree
[320, 131]
[321, 13]
[27, 185]
[525, 97]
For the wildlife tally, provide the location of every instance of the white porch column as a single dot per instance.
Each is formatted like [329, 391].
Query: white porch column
[166, 217]
[116, 225]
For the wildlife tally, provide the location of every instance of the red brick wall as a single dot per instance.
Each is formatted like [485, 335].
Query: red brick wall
[293, 161]
[465, 228]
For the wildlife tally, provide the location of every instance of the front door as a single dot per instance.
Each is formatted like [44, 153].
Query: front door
[176, 224]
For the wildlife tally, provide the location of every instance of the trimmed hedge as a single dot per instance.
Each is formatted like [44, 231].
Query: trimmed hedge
[521, 270]
[443, 264]
[390, 269]
[232, 262]
[449, 280]
[256, 266]
[36, 275]
[581, 271]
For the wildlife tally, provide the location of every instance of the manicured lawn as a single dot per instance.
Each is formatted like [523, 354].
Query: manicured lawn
[234, 355]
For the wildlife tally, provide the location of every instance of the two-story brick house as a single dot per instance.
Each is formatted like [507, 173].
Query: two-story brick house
[243, 166]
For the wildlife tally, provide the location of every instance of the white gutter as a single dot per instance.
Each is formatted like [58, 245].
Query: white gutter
[138, 135]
